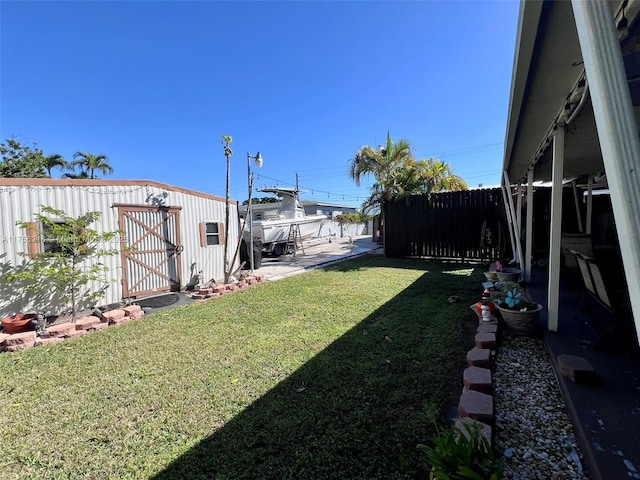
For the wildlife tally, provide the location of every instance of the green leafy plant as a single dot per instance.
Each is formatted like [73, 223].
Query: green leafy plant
[21, 161]
[70, 262]
[464, 454]
[357, 217]
[506, 285]
[261, 200]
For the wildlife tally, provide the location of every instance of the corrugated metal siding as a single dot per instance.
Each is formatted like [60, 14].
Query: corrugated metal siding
[21, 203]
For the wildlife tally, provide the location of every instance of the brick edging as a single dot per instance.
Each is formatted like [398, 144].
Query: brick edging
[61, 331]
[90, 323]
[476, 401]
[206, 293]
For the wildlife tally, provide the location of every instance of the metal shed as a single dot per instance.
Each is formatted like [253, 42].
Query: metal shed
[168, 234]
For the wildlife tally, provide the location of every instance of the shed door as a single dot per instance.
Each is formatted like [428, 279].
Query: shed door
[151, 261]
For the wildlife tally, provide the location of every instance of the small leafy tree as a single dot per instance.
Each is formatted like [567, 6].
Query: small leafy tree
[71, 262]
[261, 200]
[21, 161]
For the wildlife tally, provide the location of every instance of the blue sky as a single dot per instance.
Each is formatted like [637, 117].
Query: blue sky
[154, 84]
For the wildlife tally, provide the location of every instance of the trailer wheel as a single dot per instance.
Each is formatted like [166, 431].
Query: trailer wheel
[278, 249]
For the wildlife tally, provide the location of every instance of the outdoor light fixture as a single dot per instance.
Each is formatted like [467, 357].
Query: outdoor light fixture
[258, 161]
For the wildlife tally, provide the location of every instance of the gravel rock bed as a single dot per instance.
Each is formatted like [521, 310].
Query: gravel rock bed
[532, 428]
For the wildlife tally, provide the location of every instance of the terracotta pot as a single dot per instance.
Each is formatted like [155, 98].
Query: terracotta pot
[523, 323]
[509, 275]
[18, 323]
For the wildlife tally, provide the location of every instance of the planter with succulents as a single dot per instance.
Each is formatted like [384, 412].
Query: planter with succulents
[519, 314]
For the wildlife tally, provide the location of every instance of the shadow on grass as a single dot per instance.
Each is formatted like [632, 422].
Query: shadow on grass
[355, 409]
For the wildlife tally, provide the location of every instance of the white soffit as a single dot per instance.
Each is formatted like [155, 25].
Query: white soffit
[547, 65]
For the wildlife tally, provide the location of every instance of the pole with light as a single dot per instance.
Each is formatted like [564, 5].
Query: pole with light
[258, 160]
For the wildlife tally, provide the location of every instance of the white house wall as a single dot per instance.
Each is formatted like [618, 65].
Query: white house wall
[20, 203]
[331, 228]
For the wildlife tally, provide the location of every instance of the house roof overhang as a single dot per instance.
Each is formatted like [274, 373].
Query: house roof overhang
[548, 67]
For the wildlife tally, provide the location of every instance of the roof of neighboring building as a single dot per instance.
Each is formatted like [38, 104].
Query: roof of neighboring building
[326, 204]
[68, 182]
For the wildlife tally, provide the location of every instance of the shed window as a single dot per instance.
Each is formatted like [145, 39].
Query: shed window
[211, 233]
[66, 241]
[50, 243]
[40, 238]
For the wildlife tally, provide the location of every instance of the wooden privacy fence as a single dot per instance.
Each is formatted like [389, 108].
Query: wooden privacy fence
[467, 226]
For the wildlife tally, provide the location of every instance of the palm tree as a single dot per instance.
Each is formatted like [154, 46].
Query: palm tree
[385, 164]
[441, 177]
[55, 160]
[411, 179]
[82, 175]
[398, 174]
[89, 163]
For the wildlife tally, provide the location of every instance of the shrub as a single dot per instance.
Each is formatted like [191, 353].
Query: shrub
[462, 455]
[353, 217]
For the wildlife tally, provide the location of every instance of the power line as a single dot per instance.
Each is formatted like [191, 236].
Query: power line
[347, 196]
[486, 174]
[466, 150]
[315, 191]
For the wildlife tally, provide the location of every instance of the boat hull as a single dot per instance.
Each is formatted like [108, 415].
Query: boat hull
[278, 231]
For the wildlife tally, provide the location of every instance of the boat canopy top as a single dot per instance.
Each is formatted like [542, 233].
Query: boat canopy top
[290, 205]
[282, 191]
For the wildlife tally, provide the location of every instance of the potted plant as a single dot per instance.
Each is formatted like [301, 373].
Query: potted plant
[519, 314]
[18, 323]
[507, 274]
[491, 275]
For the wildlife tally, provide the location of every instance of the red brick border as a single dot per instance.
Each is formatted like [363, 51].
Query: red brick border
[57, 333]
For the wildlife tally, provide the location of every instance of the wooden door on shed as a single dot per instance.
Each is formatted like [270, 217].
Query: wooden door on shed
[151, 260]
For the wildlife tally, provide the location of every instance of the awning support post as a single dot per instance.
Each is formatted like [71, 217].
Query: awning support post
[617, 131]
[519, 207]
[529, 227]
[589, 204]
[508, 214]
[513, 221]
[576, 200]
[555, 242]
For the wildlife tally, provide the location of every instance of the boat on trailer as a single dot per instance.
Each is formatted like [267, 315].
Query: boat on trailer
[280, 232]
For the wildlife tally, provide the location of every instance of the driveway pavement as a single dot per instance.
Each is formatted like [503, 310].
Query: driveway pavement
[316, 253]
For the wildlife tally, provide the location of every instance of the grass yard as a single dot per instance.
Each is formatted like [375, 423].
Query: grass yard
[318, 376]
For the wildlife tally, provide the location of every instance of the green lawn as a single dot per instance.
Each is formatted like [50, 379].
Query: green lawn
[318, 376]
